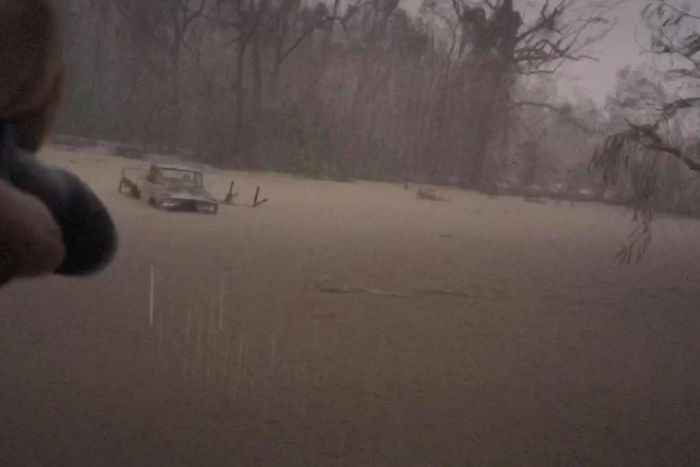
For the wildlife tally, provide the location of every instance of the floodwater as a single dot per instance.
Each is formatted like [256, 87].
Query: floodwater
[355, 324]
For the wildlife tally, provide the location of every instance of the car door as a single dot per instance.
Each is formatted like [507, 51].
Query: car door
[147, 185]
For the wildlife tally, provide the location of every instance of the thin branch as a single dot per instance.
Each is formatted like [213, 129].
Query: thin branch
[352, 9]
[193, 15]
[546, 18]
[564, 112]
[648, 136]
[683, 13]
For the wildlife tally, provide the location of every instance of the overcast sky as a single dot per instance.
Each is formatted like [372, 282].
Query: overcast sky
[617, 49]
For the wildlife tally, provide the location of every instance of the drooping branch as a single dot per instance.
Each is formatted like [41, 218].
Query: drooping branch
[564, 112]
[557, 36]
[320, 23]
[664, 21]
[648, 136]
[670, 6]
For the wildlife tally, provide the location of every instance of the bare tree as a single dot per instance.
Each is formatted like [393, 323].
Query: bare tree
[669, 37]
[494, 44]
[639, 149]
[160, 28]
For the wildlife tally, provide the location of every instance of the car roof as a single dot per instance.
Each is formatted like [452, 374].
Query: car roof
[183, 167]
[173, 163]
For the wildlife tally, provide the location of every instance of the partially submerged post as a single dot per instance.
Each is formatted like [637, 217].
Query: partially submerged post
[257, 201]
[230, 195]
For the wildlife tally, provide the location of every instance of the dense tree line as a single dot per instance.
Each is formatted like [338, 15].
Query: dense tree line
[455, 92]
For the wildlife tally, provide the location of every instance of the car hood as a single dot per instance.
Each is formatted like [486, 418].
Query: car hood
[184, 193]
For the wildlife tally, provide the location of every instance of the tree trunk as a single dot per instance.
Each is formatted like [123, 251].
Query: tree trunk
[174, 131]
[244, 140]
[256, 66]
[482, 138]
[256, 104]
[239, 89]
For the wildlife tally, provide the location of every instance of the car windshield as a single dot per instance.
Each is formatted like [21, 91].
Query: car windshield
[177, 177]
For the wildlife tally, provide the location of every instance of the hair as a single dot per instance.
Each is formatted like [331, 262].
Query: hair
[32, 73]
[31, 85]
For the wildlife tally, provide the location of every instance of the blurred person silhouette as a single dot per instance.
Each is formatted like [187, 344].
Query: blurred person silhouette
[50, 221]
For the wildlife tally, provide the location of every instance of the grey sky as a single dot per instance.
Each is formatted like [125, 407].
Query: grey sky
[617, 49]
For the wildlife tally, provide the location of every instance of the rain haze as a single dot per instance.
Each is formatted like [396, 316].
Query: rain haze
[352, 233]
[622, 46]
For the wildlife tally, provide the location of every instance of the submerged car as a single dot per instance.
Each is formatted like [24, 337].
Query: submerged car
[171, 187]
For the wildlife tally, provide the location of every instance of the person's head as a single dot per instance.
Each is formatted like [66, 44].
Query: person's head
[49, 220]
[31, 72]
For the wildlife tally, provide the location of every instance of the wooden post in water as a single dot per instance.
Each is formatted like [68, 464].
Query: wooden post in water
[256, 201]
[230, 195]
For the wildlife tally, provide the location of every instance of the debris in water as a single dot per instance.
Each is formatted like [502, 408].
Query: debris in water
[429, 194]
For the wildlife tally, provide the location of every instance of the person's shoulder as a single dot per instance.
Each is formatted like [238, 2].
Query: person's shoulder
[28, 10]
